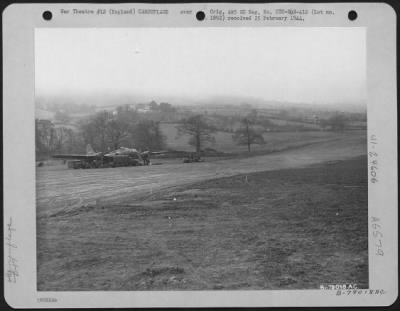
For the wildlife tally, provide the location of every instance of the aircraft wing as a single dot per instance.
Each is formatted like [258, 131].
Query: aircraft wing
[154, 152]
[75, 156]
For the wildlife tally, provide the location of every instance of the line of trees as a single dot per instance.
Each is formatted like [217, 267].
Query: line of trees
[50, 139]
[109, 130]
[104, 130]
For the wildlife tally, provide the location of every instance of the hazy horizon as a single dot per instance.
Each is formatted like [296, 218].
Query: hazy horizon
[293, 65]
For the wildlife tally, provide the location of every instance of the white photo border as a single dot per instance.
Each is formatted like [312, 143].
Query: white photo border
[19, 23]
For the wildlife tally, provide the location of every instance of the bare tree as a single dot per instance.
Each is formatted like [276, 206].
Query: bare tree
[106, 129]
[337, 122]
[247, 133]
[117, 131]
[100, 126]
[43, 132]
[122, 123]
[50, 138]
[94, 130]
[199, 130]
[148, 136]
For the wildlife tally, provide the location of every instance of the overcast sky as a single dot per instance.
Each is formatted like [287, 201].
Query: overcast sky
[319, 65]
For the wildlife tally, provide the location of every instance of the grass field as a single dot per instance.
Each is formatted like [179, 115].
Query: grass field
[286, 229]
[295, 123]
[223, 140]
[60, 188]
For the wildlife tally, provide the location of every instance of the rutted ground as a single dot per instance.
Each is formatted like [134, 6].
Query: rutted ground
[285, 229]
[63, 189]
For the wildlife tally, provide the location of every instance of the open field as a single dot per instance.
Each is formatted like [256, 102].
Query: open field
[223, 140]
[296, 123]
[290, 219]
[59, 188]
[284, 229]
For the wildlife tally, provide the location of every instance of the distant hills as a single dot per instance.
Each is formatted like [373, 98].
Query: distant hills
[46, 105]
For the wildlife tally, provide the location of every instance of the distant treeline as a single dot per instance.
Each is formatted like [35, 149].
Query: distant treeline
[138, 126]
[104, 130]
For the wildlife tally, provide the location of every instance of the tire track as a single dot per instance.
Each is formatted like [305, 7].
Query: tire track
[64, 189]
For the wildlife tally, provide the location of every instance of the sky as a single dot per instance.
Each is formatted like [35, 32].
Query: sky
[302, 64]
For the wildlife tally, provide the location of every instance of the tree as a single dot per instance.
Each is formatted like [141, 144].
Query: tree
[43, 132]
[107, 129]
[153, 105]
[199, 130]
[71, 141]
[53, 139]
[100, 127]
[121, 124]
[88, 132]
[247, 134]
[337, 122]
[116, 131]
[148, 136]
[95, 130]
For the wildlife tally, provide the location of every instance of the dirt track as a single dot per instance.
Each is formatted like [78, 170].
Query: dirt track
[65, 189]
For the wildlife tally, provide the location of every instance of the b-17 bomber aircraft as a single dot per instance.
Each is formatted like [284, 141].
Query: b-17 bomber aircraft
[120, 157]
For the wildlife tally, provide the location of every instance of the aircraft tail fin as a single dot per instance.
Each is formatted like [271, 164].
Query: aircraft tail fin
[89, 149]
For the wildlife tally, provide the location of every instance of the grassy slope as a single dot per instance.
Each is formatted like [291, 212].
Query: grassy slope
[291, 229]
[224, 142]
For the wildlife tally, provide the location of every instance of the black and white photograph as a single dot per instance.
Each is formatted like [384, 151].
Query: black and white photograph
[201, 158]
[194, 155]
